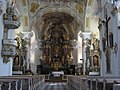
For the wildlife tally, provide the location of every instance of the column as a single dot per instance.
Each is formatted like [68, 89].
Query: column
[5, 70]
[85, 35]
[9, 22]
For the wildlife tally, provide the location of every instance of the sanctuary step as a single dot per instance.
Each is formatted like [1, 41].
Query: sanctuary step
[55, 79]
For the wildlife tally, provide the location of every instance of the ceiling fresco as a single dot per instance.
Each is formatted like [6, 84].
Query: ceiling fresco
[65, 12]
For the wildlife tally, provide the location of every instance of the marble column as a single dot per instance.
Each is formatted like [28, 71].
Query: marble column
[84, 35]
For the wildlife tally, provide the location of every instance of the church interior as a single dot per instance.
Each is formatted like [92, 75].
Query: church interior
[59, 44]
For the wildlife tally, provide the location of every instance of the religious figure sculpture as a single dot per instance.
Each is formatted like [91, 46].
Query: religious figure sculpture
[16, 63]
[95, 60]
[95, 42]
[108, 65]
[111, 39]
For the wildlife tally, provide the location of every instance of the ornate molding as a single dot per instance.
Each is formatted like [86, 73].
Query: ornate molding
[86, 35]
[116, 7]
[11, 19]
[9, 47]
[34, 7]
[11, 24]
[9, 42]
[115, 10]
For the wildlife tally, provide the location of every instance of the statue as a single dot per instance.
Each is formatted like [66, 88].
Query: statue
[95, 42]
[108, 65]
[16, 63]
[95, 60]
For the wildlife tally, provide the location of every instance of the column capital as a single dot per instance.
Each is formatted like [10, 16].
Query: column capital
[86, 35]
[25, 34]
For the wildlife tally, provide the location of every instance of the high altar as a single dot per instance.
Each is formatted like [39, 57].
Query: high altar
[56, 49]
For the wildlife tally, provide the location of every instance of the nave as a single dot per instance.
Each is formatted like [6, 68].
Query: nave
[55, 86]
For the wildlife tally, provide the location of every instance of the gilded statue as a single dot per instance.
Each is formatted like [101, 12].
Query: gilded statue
[95, 42]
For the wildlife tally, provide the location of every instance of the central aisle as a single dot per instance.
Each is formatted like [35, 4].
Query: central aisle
[55, 86]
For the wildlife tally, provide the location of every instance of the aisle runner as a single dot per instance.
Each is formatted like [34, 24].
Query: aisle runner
[55, 86]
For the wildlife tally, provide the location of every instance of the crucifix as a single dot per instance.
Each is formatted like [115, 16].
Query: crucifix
[107, 50]
[107, 31]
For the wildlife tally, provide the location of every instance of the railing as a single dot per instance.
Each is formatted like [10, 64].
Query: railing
[21, 82]
[92, 82]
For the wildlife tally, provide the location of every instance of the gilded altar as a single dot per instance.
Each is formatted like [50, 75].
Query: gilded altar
[56, 48]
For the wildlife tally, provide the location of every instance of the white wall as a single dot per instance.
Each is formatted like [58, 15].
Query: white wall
[79, 49]
[114, 57]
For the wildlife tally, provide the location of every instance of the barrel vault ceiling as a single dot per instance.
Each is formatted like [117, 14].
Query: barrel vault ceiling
[44, 14]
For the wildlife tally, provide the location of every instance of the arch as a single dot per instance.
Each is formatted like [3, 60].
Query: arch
[77, 17]
[44, 26]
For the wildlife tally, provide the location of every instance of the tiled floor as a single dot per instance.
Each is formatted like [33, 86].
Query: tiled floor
[55, 86]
